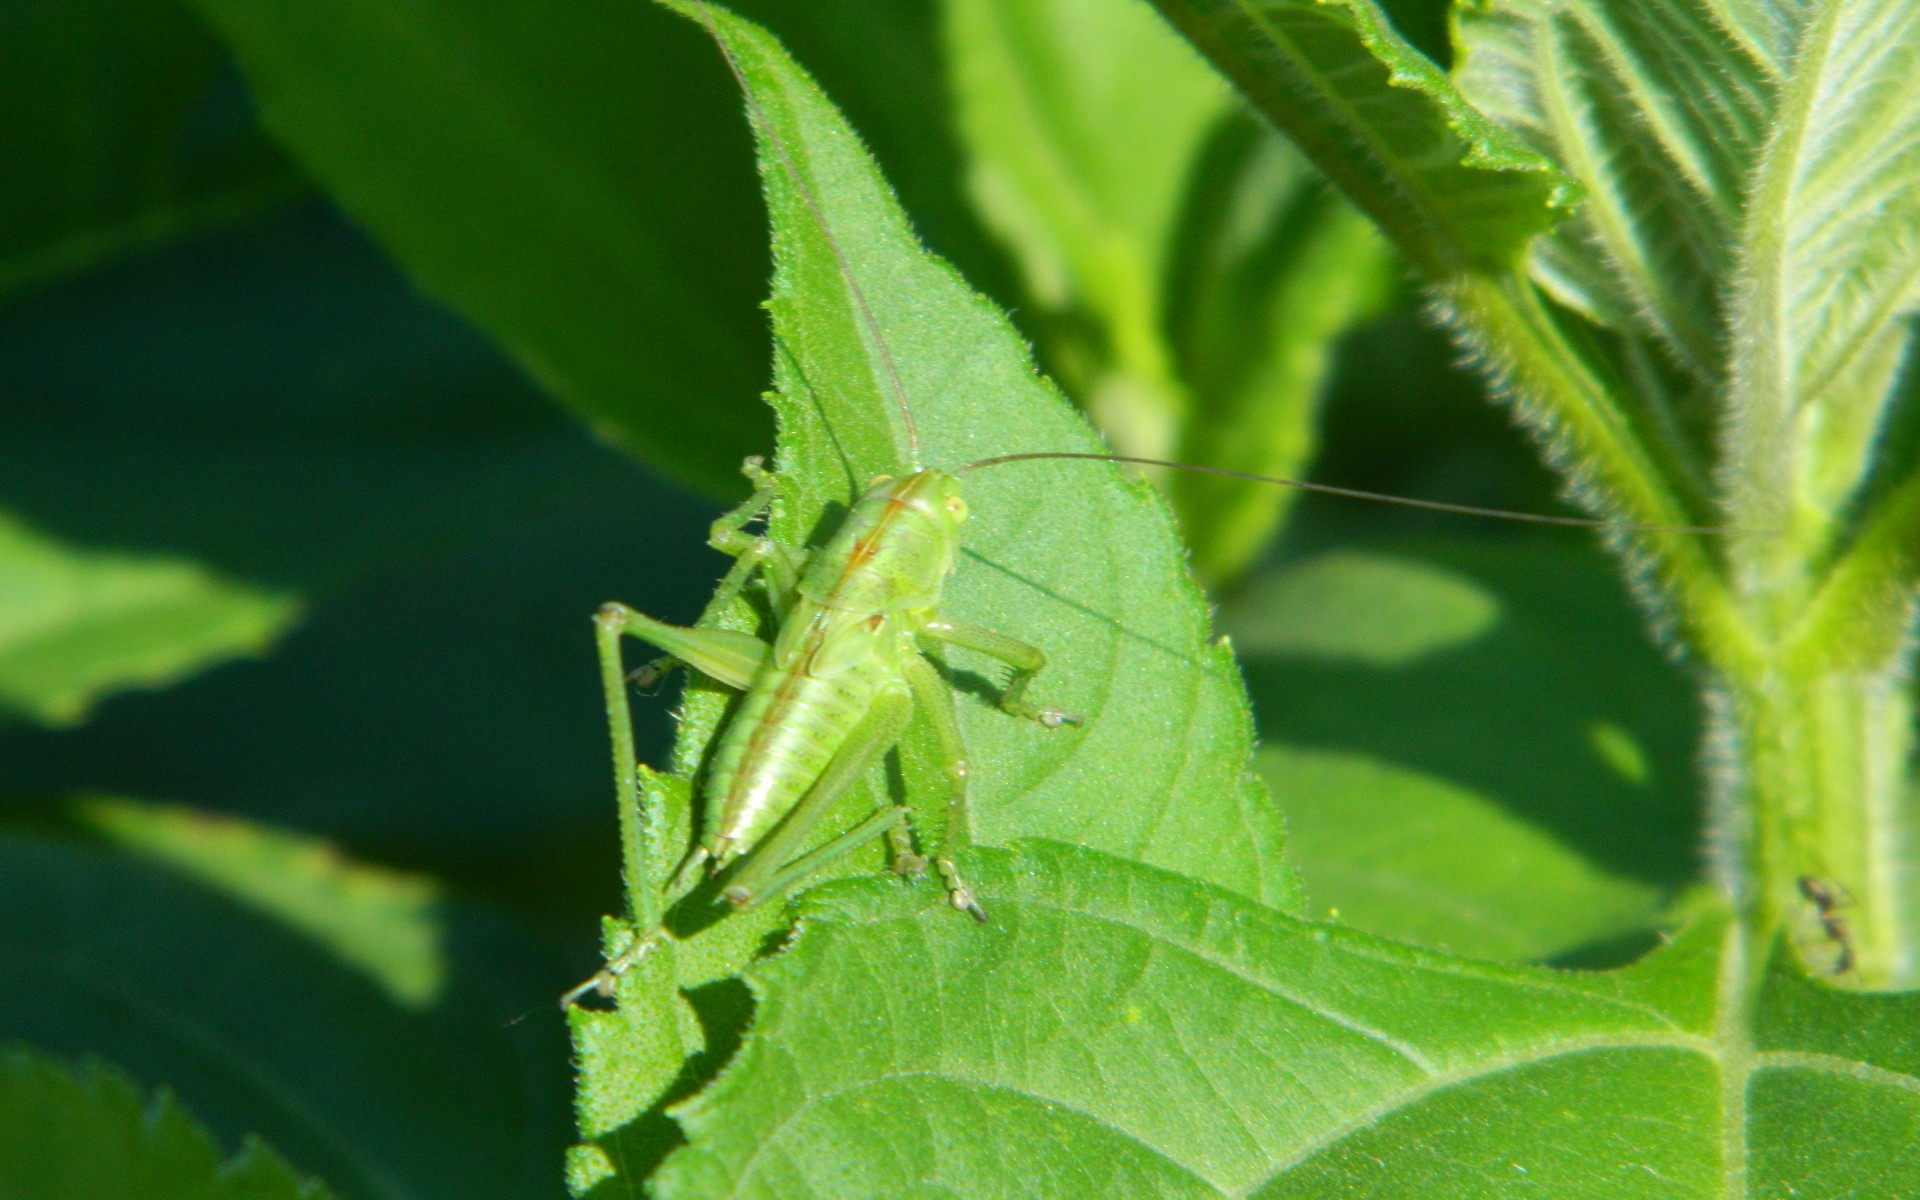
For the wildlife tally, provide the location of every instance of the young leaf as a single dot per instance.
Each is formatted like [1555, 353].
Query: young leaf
[1451, 188]
[1124, 1032]
[87, 1133]
[1746, 241]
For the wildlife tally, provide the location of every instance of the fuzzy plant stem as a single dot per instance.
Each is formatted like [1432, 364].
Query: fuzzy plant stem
[1810, 719]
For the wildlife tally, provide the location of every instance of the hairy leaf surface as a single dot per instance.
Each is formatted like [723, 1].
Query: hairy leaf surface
[1451, 188]
[1123, 1031]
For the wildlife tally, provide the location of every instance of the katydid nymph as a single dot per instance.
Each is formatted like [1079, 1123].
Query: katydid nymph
[831, 691]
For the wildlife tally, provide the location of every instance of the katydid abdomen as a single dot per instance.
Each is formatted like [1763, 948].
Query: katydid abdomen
[792, 721]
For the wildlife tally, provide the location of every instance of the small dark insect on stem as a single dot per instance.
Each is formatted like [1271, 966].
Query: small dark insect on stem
[1826, 898]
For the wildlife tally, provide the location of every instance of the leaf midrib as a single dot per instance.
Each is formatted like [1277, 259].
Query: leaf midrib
[1434, 1079]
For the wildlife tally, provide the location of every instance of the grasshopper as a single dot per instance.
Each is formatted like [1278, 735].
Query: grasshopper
[833, 689]
[831, 693]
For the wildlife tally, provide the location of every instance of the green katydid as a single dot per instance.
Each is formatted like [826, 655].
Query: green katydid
[833, 691]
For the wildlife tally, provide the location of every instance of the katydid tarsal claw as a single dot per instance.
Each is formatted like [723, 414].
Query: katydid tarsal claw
[832, 690]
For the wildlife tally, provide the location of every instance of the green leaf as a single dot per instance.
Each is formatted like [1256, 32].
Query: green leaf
[1160, 772]
[87, 1133]
[1747, 174]
[1126, 633]
[1415, 858]
[1451, 188]
[381, 921]
[1274, 269]
[1478, 747]
[1750, 178]
[1123, 1032]
[556, 181]
[1186, 271]
[202, 443]
[75, 624]
[118, 134]
[262, 1028]
[1083, 174]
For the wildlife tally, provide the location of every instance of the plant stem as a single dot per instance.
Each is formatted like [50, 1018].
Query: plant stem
[1812, 722]
[1819, 771]
[1615, 464]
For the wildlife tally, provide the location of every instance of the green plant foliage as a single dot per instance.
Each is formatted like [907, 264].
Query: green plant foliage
[1088, 1041]
[1186, 272]
[1450, 187]
[75, 624]
[1478, 958]
[1749, 181]
[263, 1027]
[87, 1133]
[118, 137]
[515, 163]
[1552, 814]
[1136, 781]
[1036, 560]
[1717, 336]
[1125, 1032]
[204, 442]
[384, 922]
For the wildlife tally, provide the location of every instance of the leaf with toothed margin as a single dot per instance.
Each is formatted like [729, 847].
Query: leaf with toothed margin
[1123, 1032]
[1068, 556]
[87, 1132]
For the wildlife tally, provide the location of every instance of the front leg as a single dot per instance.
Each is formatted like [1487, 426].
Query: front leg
[779, 566]
[1027, 661]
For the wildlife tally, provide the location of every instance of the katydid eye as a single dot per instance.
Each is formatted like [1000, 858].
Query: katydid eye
[957, 508]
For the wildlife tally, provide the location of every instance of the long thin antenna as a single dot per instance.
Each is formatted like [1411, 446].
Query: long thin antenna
[1328, 489]
[765, 126]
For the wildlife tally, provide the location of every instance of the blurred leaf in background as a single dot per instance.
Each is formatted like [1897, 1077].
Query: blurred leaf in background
[226, 411]
[87, 1132]
[1185, 272]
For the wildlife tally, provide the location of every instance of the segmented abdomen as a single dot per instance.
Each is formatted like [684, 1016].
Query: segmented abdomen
[788, 727]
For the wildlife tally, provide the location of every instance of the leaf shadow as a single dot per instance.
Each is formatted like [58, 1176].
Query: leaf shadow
[1525, 713]
[725, 1011]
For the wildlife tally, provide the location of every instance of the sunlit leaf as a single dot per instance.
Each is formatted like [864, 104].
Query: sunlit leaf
[1450, 187]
